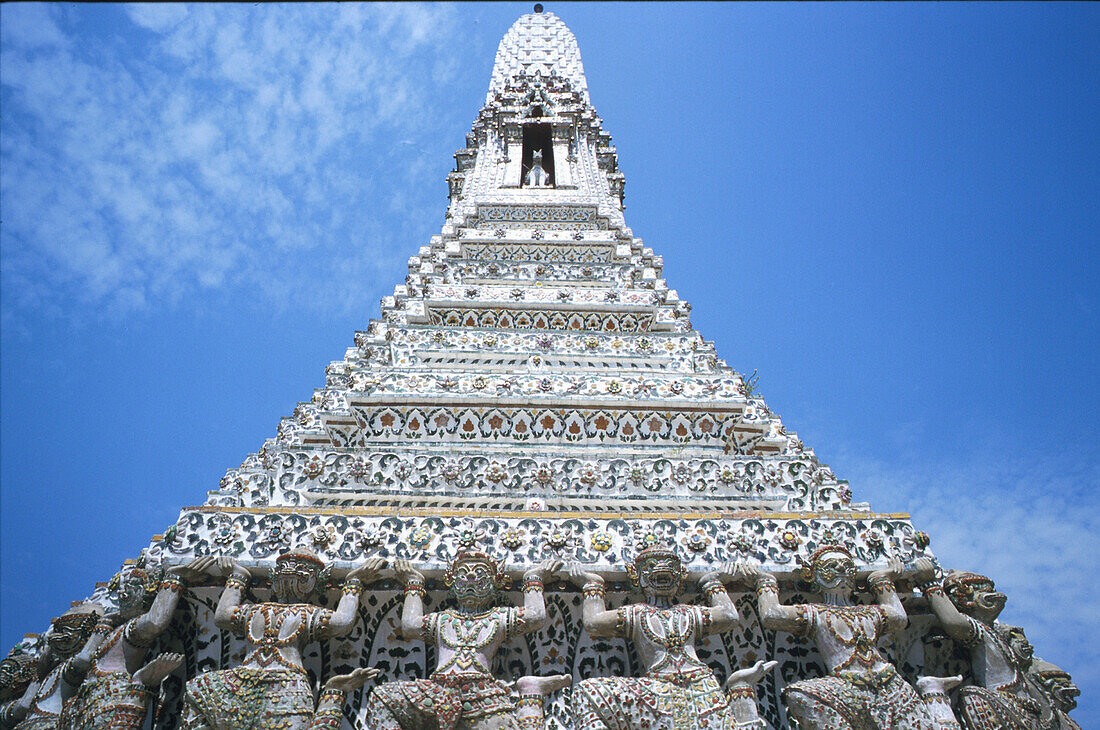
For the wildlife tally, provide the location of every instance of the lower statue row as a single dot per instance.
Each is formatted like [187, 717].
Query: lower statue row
[95, 673]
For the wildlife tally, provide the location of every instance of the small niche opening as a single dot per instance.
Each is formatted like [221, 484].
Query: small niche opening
[537, 139]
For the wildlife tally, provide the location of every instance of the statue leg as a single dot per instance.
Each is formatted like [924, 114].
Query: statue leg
[532, 694]
[380, 716]
[620, 703]
[194, 718]
[155, 672]
[741, 692]
[808, 712]
[985, 709]
[419, 704]
[933, 692]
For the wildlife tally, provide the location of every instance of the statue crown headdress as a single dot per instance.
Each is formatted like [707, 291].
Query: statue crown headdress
[305, 555]
[82, 616]
[1045, 669]
[652, 547]
[809, 565]
[302, 554]
[959, 585]
[500, 580]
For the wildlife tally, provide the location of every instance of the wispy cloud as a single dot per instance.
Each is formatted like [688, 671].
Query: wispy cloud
[192, 148]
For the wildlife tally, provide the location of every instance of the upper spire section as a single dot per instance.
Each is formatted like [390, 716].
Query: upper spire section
[538, 44]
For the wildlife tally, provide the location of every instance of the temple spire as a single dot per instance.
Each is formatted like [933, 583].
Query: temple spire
[538, 44]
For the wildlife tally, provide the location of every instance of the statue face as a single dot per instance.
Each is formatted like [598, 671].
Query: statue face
[474, 582]
[66, 637]
[661, 575]
[294, 580]
[1019, 644]
[834, 571]
[1064, 692]
[987, 599]
[131, 596]
[14, 672]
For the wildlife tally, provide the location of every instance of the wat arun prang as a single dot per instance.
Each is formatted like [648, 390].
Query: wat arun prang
[532, 495]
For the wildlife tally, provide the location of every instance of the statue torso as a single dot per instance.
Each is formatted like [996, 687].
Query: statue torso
[665, 637]
[846, 637]
[467, 641]
[277, 632]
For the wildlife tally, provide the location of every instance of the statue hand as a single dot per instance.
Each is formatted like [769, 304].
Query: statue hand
[752, 675]
[194, 570]
[348, 683]
[579, 576]
[925, 570]
[709, 576]
[729, 572]
[369, 570]
[111, 618]
[893, 571]
[224, 567]
[751, 573]
[544, 569]
[404, 571]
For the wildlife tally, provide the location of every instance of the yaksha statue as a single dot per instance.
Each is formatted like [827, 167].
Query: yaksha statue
[70, 644]
[863, 691]
[117, 691]
[462, 692]
[17, 671]
[1058, 686]
[270, 689]
[678, 691]
[967, 606]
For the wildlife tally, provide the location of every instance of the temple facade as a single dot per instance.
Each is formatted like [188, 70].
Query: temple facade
[531, 493]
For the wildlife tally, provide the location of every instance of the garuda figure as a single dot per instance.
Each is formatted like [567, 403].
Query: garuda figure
[270, 689]
[70, 644]
[462, 692]
[117, 690]
[678, 691]
[967, 606]
[863, 691]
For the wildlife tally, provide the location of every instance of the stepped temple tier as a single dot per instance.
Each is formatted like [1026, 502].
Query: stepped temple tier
[532, 494]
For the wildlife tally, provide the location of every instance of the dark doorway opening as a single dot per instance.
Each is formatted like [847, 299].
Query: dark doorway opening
[537, 138]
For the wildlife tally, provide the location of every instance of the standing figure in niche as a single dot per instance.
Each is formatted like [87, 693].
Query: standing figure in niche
[862, 691]
[270, 689]
[462, 692]
[678, 691]
[71, 643]
[967, 605]
[537, 177]
[117, 691]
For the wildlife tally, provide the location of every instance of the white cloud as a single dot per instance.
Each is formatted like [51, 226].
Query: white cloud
[212, 146]
[29, 25]
[157, 17]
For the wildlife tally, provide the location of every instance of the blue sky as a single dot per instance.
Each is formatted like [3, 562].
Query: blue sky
[889, 211]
